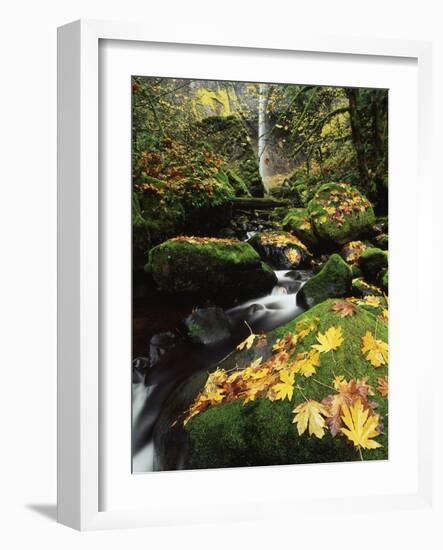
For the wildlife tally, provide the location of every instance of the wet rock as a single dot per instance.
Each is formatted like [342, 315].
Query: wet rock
[372, 262]
[333, 281]
[360, 288]
[140, 367]
[160, 344]
[281, 249]
[207, 326]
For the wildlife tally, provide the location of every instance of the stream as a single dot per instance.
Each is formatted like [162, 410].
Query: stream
[177, 359]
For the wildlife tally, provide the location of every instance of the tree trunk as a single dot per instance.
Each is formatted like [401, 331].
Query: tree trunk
[357, 138]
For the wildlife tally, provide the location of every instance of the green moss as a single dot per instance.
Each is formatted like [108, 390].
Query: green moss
[384, 281]
[382, 241]
[297, 222]
[372, 262]
[339, 213]
[360, 288]
[332, 281]
[209, 266]
[228, 137]
[261, 432]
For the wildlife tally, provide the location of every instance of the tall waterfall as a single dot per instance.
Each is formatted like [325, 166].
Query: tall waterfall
[263, 129]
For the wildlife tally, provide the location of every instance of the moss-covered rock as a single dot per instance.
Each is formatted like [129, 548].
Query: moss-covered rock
[352, 251]
[384, 280]
[297, 222]
[280, 249]
[382, 241]
[228, 137]
[339, 213]
[261, 432]
[332, 281]
[372, 262]
[360, 288]
[209, 267]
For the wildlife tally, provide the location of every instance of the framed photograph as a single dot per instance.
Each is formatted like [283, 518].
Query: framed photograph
[235, 225]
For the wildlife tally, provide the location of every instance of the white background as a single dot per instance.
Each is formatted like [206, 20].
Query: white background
[28, 274]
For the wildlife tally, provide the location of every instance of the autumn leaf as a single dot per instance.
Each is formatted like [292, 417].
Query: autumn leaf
[330, 340]
[360, 426]
[306, 363]
[376, 350]
[344, 308]
[285, 388]
[247, 343]
[348, 394]
[373, 301]
[288, 342]
[310, 415]
[306, 326]
[382, 387]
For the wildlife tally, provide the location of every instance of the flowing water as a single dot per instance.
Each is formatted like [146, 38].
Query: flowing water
[182, 359]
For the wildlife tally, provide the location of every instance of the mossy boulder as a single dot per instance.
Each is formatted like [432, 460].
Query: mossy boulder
[384, 281]
[161, 211]
[372, 262]
[209, 267]
[382, 241]
[280, 249]
[261, 432]
[352, 251]
[339, 213]
[297, 222]
[229, 138]
[332, 281]
[361, 288]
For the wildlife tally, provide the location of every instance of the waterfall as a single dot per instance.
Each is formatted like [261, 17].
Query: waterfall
[263, 128]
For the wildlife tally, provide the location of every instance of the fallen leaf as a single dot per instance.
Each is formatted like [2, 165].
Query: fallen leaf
[247, 343]
[285, 388]
[382, 387]
[361, 427]
[310, 415]
[330, 340]
[376, 350]
[344, 308]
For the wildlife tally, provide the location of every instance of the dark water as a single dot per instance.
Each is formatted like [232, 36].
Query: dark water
[181, 358]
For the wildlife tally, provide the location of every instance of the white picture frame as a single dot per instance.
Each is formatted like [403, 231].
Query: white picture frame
[81, 412]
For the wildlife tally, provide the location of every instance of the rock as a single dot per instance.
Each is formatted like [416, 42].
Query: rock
[228, 136]
[381, 225]
[339, 213]
[352, 251]
[140, 367]
[382, 241]
[356, 271]
[297, 222]
[160, 344]
[384, 281]
[160, 211]
[207, 326]
[209, 267]
[333, 281]
[360, 288]
[372, 261]
[261, 432]
[281, 249]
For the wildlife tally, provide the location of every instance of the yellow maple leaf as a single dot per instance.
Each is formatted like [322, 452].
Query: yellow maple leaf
[361, 427]
[285, 388]
[330, 340]
[372, 301]
[376, 350]
[247, 343]
[310, 415]
[288, 342]
[306, 363]
[338, 381]
[306, 326]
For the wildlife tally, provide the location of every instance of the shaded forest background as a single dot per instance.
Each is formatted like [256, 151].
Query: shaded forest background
[185, 136]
